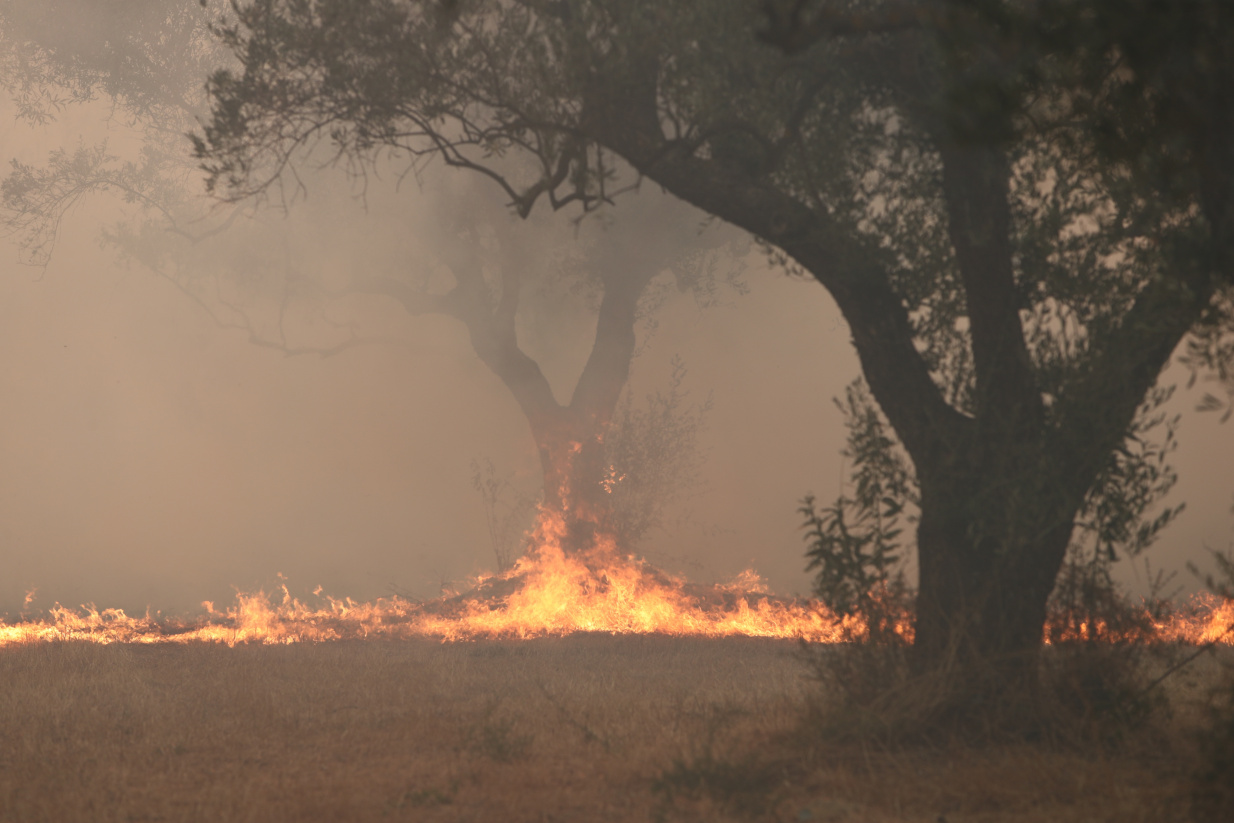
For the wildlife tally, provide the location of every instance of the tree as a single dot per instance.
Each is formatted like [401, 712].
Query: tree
[147, 55]
[148, 60]
[1016, 216]
[593, 473]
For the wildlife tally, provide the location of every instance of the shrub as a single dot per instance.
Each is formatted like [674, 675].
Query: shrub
[1212, 796]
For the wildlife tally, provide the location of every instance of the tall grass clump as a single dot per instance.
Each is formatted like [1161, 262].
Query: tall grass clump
[1212, 793]
[1099, 671]
[854, 548]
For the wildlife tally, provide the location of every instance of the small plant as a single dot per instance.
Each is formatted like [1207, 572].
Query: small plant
[584, 726]
[507, 511]
[427, 797]
[854, 544]
[744, 784]
[1222, 583]
[655, 457]
[1087, 606]
[855, 550]
[1094, 674]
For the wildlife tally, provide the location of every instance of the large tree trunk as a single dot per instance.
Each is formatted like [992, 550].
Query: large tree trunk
[571, 439]
[1001, 482]
[987, 567]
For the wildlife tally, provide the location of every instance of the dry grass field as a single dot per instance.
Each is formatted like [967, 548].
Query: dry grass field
[582, 728]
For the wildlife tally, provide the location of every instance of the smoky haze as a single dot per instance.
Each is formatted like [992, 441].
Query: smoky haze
[152, 458]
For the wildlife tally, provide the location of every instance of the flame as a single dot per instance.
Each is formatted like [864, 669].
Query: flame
[599, 591]
[548, 592]
[1204, 619]
[611, 479]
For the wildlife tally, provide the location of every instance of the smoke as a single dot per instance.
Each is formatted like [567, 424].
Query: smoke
[162, 443]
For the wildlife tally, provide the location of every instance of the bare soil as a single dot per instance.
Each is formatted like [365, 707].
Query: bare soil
[582, 728]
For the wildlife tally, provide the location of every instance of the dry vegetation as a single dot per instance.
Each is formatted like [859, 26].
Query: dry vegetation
[576, 729]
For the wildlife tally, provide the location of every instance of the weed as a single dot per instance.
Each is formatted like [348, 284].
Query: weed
[743, 784]
[498, 738]
[426, 798]
[1095, 673]
[590, 735]
[1212, 795]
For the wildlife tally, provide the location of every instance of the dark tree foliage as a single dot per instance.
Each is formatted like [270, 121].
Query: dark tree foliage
[1021, 208]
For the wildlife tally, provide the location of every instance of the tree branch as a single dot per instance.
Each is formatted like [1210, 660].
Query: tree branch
[415, 301]
[608, 367]
[975, 189]
[1095, 409]
[853, 272]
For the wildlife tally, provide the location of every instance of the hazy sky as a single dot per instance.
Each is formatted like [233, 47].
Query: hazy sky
[150, 458]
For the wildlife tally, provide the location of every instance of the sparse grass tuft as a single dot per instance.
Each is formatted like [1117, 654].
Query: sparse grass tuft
[1212, 793]
[498, 738]
[422, 798]
[719, 765]
[745, 785]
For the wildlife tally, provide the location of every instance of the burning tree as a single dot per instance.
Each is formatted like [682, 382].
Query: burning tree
[587, 455]
[1021, 209]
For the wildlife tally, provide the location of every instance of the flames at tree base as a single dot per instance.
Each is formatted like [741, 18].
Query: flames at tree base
[549, 592]
[549, 595]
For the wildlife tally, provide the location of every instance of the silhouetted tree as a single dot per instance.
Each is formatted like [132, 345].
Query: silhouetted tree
[1020, 213]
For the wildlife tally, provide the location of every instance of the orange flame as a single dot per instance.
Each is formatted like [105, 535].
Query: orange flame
[562, 593]
[1205, 619]
[548, 592]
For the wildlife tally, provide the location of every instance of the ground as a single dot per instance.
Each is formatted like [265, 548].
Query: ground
[582, 728]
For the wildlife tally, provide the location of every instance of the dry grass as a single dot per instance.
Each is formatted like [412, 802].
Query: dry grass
[585, 728]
